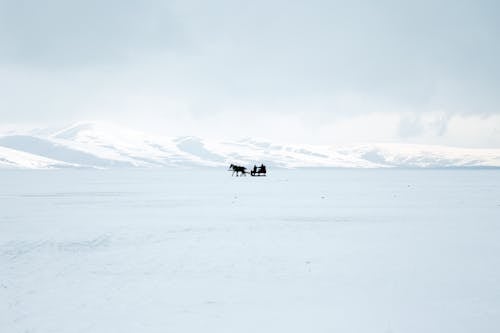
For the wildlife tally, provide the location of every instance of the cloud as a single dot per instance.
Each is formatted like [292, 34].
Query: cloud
[414, 125]
[410, 126]
[311, 64]
[61, 33]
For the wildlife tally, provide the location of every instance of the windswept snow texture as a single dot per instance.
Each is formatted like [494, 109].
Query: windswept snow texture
[97, 145]
[157, 250]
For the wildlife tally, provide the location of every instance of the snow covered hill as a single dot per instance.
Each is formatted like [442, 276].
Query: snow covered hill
[11, 158]
[96, 145]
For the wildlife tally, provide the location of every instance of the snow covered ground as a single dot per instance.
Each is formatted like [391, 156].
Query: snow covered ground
[172, 250]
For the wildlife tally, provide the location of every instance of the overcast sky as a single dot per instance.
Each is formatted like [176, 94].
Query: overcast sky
[294, 71]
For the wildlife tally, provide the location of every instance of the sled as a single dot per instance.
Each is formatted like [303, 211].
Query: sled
[258, 173]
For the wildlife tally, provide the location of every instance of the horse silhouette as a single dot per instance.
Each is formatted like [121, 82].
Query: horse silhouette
[238, 169]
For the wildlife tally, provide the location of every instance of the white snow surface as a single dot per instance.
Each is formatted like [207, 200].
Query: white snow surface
[98, 145]
[323, 250]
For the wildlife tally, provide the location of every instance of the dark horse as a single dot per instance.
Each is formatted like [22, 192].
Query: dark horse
[238, 169]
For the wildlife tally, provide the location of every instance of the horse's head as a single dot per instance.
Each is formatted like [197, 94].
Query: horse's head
[231, 166]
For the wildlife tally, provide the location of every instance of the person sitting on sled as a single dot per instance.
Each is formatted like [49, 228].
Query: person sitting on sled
[262, 168]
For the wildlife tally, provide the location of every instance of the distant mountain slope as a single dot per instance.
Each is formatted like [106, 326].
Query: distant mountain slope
[98, 145]
[10, 158]
[54, 151]
[425, 156]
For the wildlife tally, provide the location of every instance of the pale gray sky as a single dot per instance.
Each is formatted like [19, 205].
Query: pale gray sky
[304, 71]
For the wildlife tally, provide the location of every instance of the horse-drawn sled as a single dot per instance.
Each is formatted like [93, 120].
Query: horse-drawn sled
[254, 172]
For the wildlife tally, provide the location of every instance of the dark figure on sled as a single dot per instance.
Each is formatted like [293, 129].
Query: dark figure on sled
[260, 171]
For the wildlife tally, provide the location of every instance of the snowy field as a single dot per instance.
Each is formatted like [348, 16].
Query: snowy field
[316, 251]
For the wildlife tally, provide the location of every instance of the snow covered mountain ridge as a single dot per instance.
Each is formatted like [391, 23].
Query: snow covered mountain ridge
[96, 145]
